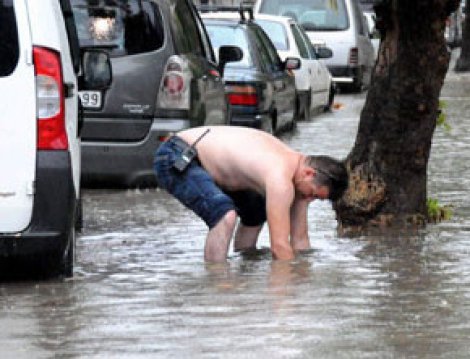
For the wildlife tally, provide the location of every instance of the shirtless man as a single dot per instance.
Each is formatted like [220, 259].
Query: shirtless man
[252, 173]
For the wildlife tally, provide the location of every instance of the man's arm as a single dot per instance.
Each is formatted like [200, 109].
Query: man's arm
[299, 229]
[279, 197]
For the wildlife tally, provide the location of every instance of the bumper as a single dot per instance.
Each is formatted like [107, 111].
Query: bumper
[53, 211]
[344, 74]
[126, 163]
[258, 121]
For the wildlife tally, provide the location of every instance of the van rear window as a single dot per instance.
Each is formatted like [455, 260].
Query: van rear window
[313, 15]
[9, 48]
[122, 27]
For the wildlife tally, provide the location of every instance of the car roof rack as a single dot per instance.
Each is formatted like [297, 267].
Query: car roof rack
[242, 9]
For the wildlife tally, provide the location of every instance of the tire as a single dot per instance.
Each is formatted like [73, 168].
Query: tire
[79, 216]
[69, 257]
[331, 98]
[306, 114]
[268, 126]
[358, 83]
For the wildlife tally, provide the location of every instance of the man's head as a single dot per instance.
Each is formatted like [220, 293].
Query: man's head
[329, 173]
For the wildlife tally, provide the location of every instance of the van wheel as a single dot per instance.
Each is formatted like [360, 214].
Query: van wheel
[69, 257]
[358, 84]
[79, 216]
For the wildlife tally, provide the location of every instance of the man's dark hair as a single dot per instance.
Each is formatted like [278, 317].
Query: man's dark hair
[331, 173]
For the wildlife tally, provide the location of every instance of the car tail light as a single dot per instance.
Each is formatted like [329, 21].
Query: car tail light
[242, 95]
[174, 92]
[354, 56]
[50, 100]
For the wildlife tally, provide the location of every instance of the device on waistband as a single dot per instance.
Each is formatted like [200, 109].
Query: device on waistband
[188, 154]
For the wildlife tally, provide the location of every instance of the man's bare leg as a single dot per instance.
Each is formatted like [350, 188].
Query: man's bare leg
[246, 237]
[218, 238]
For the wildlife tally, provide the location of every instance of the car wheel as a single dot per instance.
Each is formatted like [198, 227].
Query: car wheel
[308, 102]
[331, 97]
[229, 114]
[268, 126]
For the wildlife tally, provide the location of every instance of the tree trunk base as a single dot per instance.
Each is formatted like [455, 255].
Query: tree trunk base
[384, 224]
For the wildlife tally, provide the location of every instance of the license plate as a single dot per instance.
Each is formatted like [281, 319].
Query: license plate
[90, 99]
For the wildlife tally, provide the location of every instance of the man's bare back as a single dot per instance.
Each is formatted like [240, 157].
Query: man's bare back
[242, 158]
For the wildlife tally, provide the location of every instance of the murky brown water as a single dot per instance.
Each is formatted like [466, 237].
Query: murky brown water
[142, 290]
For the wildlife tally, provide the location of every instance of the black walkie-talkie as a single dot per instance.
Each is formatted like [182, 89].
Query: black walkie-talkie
[188, 155]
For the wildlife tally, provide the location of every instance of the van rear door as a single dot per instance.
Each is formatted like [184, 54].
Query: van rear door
[17, 118]
[133, 33]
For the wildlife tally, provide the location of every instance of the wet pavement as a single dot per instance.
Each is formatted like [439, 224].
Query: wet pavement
[142, 290]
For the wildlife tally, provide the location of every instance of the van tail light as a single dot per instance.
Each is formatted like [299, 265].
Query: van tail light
[354, 56]
[174, 92]
[50, 100]
[242, 95]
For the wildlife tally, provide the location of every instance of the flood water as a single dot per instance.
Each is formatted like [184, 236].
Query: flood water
[142, 290]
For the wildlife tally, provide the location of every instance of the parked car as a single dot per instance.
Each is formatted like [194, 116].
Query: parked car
[315, 88]
[165, 79]
[374, 33]
[39, 133]
[338, 24]
[260, 87]
[454, 28]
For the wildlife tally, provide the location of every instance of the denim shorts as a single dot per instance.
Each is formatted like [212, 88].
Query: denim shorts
[196, 189]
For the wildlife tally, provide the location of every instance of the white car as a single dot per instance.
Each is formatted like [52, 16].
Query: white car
[313, 81]
[374, 33]
[338, 24]
[39, 133]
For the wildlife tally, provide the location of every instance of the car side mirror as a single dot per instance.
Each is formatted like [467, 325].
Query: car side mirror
[96, 70]
[228, 54]
[292, 63]
[323, 52]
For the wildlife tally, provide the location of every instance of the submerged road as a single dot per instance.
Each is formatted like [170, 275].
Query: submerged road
[142, 290]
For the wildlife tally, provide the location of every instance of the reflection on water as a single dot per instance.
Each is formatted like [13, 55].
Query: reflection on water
[142, 290]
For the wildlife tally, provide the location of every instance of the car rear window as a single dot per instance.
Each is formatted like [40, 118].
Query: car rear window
[313, 15]
[230, 35]
[9, 48]
[122, 27]
[276, 33]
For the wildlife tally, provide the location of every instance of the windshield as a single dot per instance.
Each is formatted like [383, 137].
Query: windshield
[123, 27]
[276, 33]
[233, 36]
[313, 15]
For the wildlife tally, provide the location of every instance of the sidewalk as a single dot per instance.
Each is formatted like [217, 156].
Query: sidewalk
[456, 84]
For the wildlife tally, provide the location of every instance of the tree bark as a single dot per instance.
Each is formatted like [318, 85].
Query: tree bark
[388, 163]
[463, 62]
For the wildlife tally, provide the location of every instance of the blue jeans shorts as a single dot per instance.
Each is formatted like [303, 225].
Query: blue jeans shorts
[196, 189]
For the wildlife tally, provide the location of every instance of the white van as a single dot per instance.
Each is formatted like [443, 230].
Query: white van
[39, 134]
[338, 24]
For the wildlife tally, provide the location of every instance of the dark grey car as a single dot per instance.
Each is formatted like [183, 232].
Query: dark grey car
[260, 87]
[165, 78]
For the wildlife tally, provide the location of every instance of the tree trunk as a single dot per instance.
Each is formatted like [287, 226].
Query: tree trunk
[388, 163]
[463, 62]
